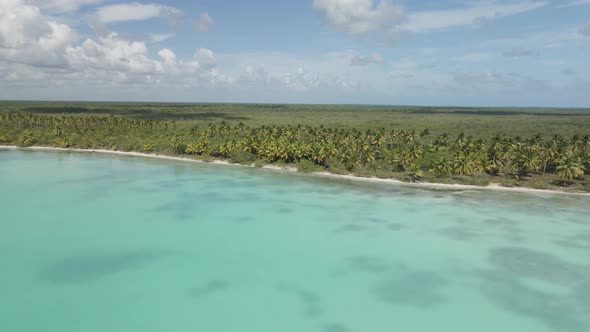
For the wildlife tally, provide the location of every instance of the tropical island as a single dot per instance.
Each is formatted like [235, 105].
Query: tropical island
[469, 146]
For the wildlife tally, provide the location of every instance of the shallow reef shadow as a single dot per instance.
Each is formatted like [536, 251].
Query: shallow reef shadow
[420, 289]
[507, 284]
[309, 299]
[460, 233]
[370, 264]
[91, 266]
[211, 287]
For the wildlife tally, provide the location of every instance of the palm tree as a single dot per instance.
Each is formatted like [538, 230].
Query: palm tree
[526, 162]
[443, 167]
[569, 168]
[463, 165]
[178, 144]
[414, 172]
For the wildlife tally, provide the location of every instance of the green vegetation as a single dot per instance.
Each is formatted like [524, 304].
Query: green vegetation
[382, 152]
[477, 122]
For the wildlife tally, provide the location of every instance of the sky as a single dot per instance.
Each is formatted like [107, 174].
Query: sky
[420, 52]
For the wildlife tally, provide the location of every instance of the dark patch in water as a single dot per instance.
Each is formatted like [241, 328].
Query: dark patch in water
[351, 228]
[377, 220]
[507, 285]
[525, 262]
[499, 222]
[181, 209]
[309, 299]
[559, 312]
[93, 266]
[213, 286]
[418, 289]
[578, 241]
[397, 227]
[458, 233]
[285, 210]
[369, 264]
[244, 219]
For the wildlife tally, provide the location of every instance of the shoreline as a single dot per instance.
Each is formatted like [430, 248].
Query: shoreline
[425, 185]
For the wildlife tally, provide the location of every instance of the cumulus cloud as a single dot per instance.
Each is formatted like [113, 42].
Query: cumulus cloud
[205, 57]
[35, 49]
[518, 52]
[28, 37]
[359, 17]
[585, 30]
[112, 52]
[296, 79]
[160, 37]
[451, 18]
[364, 60]
[168, 56]
[135, 11]
[204, 23]
[115, 54]
[63, 6]
[288, 76]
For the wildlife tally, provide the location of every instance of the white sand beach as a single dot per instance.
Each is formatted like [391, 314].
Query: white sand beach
[431, 185]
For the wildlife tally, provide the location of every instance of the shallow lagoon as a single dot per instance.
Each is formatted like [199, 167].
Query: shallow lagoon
[100, 243]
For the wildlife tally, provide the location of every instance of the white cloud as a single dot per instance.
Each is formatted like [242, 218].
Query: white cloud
[63, 6]
[364, 60]
[452, 18]
[518, 52]
[112, 52]
[168, 56]
[28, 37]
[160, 37]
[359, 17]
[205, 57]
[585, 30]
[296, 79]
[135, 11]
[287, 76]
[204, 23]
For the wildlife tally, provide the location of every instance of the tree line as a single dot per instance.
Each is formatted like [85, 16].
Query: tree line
[371, 152]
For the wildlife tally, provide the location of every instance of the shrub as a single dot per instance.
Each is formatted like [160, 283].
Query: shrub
[4, 139]
[28, 139]
[306, 166]
[62, 143]
[363, 171]
[242, 157]
[147, 147]
[336, 166]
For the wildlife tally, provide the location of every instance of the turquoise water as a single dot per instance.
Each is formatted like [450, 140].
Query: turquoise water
[95, 243]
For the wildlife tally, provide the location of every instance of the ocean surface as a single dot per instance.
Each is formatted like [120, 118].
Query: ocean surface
[97, 243]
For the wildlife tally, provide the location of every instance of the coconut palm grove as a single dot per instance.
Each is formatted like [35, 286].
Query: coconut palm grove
[536, 161]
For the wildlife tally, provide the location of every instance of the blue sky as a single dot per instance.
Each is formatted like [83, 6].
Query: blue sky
[480, 53]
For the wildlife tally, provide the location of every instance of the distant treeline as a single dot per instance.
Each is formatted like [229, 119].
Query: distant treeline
[373, 152]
